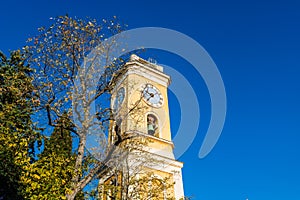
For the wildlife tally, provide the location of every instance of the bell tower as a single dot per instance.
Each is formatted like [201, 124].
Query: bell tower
[140, 104]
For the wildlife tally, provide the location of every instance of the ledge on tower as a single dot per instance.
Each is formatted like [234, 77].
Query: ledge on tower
[135, 58]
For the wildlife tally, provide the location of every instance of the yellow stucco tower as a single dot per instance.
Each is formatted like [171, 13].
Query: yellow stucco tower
[140, 104]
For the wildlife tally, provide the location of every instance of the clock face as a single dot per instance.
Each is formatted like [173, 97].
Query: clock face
[119, 99]
[152, 96]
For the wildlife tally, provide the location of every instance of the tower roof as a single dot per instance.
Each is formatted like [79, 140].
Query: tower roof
[135, 58]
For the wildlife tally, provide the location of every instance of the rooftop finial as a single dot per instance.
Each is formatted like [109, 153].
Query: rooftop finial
[152, 61]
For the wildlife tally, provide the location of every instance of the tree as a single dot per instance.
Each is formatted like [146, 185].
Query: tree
[67, 89]
[50, 175]
[17, 134]
[57, 54]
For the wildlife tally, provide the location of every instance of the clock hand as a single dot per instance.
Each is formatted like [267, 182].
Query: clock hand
[150, 96]
[149, 93]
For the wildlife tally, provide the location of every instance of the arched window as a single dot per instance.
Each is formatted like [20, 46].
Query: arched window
[152, 125]
[118, 126]
[116, 133]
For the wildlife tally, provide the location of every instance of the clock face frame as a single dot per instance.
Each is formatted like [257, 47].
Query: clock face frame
[152, 96]
[119, 99]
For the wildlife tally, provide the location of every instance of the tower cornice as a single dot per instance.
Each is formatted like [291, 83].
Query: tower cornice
[139, 66]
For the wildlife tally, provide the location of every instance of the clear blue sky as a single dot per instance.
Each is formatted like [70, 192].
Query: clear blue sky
[256, 46]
